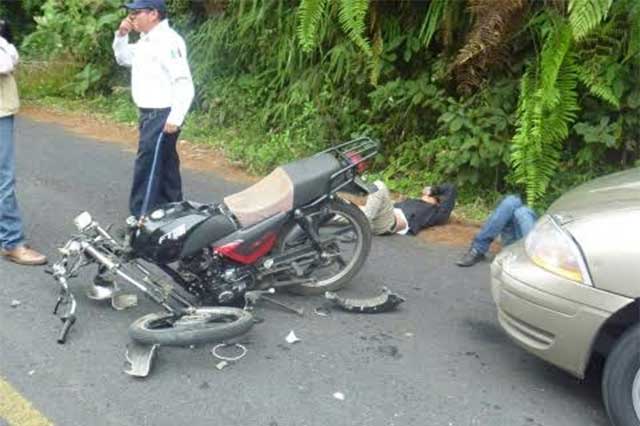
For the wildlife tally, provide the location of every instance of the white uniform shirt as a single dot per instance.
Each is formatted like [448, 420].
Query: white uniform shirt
[8, 57]
[160, 75]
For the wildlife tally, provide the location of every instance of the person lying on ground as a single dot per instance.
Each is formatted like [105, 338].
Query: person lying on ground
[511, 220]
[412, 215]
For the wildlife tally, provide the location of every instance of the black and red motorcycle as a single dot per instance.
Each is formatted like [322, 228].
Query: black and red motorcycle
[290, 230]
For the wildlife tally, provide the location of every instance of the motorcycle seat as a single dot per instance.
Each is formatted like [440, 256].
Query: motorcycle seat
[310, 177]
[287, 187]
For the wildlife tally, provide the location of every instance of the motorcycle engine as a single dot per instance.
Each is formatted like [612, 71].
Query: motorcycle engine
[213, 280]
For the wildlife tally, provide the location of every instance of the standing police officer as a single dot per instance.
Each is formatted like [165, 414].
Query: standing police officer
[162, 89]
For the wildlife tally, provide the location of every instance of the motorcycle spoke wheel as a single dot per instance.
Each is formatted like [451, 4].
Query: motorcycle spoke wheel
[205, 325]
[345, 237]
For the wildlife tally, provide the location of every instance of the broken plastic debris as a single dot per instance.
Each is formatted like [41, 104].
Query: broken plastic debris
[386, 301]
[321, 311]
[15, 303]
[122, 301]
[339, 395]
[140, 359]
[221, 365]
[291, 337]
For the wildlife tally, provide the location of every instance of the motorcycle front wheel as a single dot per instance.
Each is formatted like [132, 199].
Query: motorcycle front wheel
[204, 325]
[346, 239]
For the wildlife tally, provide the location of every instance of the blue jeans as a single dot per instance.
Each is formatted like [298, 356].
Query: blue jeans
[10, 223]
[511, 220]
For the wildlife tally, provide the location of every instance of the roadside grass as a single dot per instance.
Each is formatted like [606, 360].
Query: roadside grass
[244, 145]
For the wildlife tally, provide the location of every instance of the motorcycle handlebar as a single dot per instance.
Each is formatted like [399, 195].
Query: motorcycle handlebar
[66, 326]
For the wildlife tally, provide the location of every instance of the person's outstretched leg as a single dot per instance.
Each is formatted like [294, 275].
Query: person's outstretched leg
[379, 210]
[524, 219]
[501, 219]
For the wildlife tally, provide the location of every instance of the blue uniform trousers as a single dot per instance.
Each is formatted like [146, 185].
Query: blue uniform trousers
[157, 166]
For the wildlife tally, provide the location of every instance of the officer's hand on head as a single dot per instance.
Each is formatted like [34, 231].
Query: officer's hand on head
[126, 26]
[170, 128]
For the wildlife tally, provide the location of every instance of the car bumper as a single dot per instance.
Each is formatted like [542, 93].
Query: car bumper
[549, 316]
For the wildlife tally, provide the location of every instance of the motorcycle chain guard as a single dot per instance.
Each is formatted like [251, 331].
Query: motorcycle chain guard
[385, 302]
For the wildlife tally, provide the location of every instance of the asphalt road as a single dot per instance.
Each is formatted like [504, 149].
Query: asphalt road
[439, 360]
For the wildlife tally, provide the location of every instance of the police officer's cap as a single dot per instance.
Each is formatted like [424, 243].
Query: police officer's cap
[158, 5]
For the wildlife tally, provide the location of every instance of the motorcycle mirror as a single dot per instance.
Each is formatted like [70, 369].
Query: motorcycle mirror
[82, 221]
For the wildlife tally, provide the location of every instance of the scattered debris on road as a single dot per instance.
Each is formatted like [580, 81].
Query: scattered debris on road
[339, 396]
[228, 358]
[385, 302]
[321, 311]
[140, 359]
[15, 303]
[291, 337]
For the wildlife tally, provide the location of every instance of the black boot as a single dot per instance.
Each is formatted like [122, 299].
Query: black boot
[470, 258]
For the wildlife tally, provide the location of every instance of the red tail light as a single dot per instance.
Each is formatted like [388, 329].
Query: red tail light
[356, 158]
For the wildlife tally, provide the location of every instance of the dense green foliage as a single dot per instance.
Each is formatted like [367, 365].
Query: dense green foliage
[495, 95]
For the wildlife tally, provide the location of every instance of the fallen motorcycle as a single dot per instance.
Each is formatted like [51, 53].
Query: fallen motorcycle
[202, 262]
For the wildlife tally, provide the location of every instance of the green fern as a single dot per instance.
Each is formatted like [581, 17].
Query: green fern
[597, 84]
[585, 15]
[633, 17]
[553, 55]
[547, 107]
[309, 15]
[432, 21]
[352, 16]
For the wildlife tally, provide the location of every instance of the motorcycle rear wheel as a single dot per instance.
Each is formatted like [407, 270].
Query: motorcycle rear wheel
[205, 325]
[346, 222]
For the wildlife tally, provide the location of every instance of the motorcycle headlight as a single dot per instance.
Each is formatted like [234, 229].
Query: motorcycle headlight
[552, 248]
[82, 221]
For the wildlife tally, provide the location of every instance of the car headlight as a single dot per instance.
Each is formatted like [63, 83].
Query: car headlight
[552, 248]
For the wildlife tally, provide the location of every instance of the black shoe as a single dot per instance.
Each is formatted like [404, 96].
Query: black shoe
[470, 258]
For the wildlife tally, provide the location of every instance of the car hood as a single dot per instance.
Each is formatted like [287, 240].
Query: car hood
[603, 216]
[615, 192]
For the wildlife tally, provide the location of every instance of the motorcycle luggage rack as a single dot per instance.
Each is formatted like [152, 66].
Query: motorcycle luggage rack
[355, 152]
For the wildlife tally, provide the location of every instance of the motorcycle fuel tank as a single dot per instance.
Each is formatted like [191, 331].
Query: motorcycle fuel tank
[164, 232]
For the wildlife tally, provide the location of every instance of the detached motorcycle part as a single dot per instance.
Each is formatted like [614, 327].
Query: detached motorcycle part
[216, 348]
[140, 359]
[342, 230]
[203, 325]
[121, 301]
[385, 302]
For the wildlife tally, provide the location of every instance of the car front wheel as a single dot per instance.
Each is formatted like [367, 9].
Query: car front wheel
[621, 380]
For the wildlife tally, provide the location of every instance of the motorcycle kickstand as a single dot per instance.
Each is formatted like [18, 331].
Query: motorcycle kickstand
[252, 297]
[299, 311]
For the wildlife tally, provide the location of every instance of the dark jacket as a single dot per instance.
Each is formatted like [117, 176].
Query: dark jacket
[422, 215]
